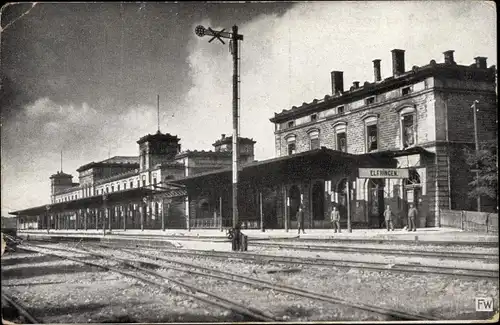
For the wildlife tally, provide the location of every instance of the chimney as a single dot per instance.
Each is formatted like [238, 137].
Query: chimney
[480, 62]
[223, 136]
[376, 70]
[398, 62]
[356, 84]
[448, 57]
[337, 82]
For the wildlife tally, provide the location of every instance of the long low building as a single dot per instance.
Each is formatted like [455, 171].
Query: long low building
[392, 142]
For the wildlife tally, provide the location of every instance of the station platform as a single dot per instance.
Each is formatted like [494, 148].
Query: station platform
[438, 235]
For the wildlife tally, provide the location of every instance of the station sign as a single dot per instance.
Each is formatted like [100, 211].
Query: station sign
[383, 173]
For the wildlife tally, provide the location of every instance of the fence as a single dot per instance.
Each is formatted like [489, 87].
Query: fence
[226, 223]
[470, 220]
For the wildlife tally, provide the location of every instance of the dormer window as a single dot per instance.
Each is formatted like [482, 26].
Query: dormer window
[340, 110]
[370, 100]
[314, 117]
[406, 91]
[291, 124]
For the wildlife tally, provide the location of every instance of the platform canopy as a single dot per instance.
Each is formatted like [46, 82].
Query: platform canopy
[318, 163]
[87, 202]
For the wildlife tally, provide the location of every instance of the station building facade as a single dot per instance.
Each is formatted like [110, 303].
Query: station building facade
[419, 120]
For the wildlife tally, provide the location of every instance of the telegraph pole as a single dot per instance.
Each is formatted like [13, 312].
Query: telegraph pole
[234, 37]
[476, 140]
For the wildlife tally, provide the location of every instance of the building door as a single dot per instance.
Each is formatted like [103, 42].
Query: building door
[270, 199]
[318, 201]
[375, 203]
[413, 193]
[294, 202]
[342, 200]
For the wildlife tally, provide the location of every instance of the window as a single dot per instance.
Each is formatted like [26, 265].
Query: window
[107, 189]
[340, 110]
[408, 129]
[340, 130]
[118, 187]
[406, 91]
[371, 137]
[138, 183]
[125, 185]
[112, 188]
[341, 142]
[154, 181]
[314, 117]
[370, 100]
[290, 124]
[143, 180]
[290, 144]
[314, 139]
[131, 184]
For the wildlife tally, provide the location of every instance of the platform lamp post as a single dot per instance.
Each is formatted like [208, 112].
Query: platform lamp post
[476, 141]
[235, 38]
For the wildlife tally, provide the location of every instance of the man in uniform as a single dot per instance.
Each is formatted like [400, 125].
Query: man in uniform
[335, 217]
[300, 218]
[412, 215]
[388, 218]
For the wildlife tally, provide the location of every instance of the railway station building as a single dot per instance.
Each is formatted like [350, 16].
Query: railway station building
[394, 141]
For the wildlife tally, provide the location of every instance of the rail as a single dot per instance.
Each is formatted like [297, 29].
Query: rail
[375, 266]
[220, 301]
[20, 309]
[258, 283]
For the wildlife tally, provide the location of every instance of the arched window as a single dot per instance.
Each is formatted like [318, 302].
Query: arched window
[408, 126]
[314, 142]
[371, 133]
[340, 130]
[291, 144]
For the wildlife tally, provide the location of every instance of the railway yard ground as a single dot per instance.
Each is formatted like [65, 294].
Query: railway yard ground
[181, 276]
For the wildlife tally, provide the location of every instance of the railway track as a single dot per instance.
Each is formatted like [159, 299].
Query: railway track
[374, 266]
[152, 262]
[156, 279]
[20, 308]
[384, 251]
[330, 240]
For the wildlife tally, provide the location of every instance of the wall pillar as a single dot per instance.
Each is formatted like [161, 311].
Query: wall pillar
[124, 212]
[141, 212]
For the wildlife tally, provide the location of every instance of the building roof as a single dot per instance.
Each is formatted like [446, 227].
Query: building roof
[371, 88]
[91, 201]
[304, 164]
[116, 161]
[229, 140]
[60, 174]
[158, 136]
[202, 153]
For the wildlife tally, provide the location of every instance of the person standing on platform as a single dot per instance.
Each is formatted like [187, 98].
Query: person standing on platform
[335, 217]
[300, 218]
[388, 218]
[412, 215]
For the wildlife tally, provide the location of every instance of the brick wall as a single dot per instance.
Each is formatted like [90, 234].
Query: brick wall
[389, 133]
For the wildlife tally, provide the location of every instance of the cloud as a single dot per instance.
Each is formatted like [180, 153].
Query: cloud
[286, 60]
[33, 139]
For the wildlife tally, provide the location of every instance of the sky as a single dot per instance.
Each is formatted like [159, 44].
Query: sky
[83, 78]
